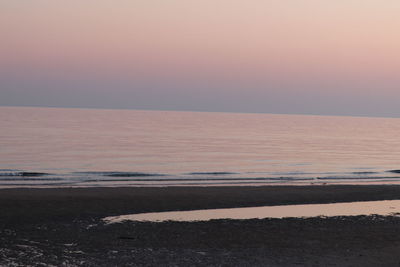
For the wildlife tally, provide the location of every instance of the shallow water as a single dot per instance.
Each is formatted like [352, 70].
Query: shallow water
[387, 207]
[87, 147]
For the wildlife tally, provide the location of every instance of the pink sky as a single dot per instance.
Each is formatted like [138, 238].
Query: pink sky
[346, 50]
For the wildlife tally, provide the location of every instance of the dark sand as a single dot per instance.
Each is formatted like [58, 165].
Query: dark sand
[42, 227]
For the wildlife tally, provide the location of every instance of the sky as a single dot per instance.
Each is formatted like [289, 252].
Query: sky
[320, 57]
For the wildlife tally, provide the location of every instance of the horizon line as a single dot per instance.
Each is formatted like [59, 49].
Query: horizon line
[201, 111]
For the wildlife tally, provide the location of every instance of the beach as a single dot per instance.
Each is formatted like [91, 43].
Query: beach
[199, 133]
[63, 226]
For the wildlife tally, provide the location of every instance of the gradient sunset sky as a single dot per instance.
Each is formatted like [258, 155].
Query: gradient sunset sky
[337, 57]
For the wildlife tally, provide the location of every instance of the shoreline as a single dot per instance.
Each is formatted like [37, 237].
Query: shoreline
[64, 226]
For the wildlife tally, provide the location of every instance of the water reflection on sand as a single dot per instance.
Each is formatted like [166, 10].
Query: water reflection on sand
[386, 207]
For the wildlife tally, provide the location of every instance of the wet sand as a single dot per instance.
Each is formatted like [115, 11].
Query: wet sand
[63, 226]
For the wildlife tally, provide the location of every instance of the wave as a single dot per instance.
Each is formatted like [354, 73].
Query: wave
[211, 173]
[111, 178]
[358, 178]
[30, 179]
[121, 174]
[249, 179]
[364, 173]
[23, 173]
[293, 173]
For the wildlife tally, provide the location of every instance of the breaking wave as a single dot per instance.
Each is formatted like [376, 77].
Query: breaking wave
[9, 177]
[121, 174]
[21, 173]
[211, 173]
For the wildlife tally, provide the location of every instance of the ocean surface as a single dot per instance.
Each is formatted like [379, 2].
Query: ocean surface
[42, 147]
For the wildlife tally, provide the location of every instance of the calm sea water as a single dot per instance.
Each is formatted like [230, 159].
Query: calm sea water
[85, 147]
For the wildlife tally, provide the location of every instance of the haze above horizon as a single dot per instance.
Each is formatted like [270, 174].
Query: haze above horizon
[293, 57]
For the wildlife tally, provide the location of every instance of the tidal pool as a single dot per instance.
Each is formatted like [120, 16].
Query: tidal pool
[386, 207]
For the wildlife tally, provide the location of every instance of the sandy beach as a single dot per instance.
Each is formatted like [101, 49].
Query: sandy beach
[199, 133]
[63, 226]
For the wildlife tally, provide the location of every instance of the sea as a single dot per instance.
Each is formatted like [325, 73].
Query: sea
[68, 147]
